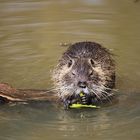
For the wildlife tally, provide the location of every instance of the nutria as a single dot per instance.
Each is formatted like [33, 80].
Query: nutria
[85, 67]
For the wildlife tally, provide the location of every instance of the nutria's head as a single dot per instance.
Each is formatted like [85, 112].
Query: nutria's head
[86, 67]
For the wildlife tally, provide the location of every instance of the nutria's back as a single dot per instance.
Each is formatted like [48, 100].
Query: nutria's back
[85, 67]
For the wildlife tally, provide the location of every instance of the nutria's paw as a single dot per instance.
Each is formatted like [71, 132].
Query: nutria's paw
[66, 103]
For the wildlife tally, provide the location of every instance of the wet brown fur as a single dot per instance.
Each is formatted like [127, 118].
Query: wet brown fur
[85, 61]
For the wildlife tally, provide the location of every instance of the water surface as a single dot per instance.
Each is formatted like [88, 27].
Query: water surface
[30, 36]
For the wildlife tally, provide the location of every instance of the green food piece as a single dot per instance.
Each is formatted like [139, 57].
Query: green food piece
[83, 106]
[78, 105]
[81, 94]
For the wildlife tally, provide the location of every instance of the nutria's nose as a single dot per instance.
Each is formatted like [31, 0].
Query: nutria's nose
[82, 84]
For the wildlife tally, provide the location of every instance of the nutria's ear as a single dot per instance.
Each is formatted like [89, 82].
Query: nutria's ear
[67, 59]
[91, 61]
[70, 63]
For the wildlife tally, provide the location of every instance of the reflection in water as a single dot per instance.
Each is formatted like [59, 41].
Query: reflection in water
[30, 36]
[44, 121]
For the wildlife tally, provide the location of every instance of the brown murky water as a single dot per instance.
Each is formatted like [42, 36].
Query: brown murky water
[30, 36]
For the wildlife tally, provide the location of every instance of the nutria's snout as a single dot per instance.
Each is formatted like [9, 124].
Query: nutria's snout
[85, 67]
[82, 84]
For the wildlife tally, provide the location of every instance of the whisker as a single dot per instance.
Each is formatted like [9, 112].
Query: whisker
[106, 97]
[107, 88]
[105, 94]
[98, 97]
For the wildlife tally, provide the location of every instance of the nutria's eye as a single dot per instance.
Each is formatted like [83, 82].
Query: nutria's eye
[90, 73]
[73, 73]
[92, 62]
[69, 63]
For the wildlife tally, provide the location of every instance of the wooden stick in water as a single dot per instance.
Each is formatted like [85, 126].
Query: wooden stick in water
[10, 94]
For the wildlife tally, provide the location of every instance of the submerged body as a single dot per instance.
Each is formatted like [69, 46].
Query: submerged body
[85, 67]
